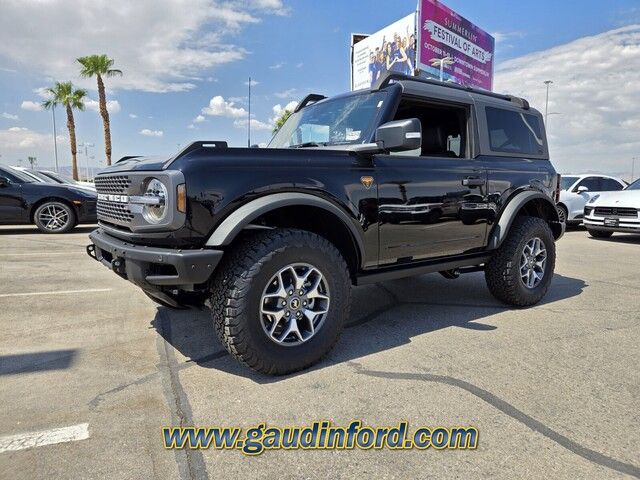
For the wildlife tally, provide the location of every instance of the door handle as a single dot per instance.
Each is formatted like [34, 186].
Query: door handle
[473, 182]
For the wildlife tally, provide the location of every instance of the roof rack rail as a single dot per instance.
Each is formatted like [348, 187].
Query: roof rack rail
[388, 77]
[311, 98]
[198, 145]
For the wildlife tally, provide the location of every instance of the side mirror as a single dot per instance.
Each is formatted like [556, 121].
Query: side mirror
[582, 189]
[4, 182]
[400, 135]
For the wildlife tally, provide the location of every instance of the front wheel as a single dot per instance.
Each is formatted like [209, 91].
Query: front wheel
[280, 300]
[599, 233]
[520, 271]
[54, 217]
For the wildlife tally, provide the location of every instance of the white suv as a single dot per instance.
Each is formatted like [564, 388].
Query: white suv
[577, 190]
[614, 212]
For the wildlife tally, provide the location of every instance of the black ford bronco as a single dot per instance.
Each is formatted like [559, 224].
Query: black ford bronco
[410, 177]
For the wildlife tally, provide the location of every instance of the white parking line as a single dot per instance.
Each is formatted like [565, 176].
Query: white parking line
[21, 441]
[58, 292]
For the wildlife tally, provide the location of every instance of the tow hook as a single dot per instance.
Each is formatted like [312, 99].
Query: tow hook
[117, 265]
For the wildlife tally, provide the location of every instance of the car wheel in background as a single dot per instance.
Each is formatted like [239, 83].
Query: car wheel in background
[280, 300]
[54, 217]
[562, 213]
[520, 271]
[599, 233]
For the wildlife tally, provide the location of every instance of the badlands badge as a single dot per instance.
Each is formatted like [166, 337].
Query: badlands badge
[367, 181]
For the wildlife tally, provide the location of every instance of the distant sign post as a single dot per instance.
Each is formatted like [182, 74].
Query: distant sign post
[443, 33]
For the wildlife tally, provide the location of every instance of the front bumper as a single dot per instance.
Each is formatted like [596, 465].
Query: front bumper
[153, 268]
[624, 224]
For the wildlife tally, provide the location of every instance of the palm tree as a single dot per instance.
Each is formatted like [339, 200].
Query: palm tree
[63, 93]
[100, 66]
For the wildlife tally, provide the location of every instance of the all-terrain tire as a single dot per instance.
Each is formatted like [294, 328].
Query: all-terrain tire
[599, 233]
[502, 272]
[241, 280]
[55, 217]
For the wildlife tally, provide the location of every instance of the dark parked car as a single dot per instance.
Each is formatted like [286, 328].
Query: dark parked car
[53, 208]
[409, 177]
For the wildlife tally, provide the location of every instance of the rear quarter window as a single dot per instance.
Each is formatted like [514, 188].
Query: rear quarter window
[514, 132]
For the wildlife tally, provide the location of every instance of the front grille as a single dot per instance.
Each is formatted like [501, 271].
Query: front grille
[616, 212]
[112, 184]
[114, 211]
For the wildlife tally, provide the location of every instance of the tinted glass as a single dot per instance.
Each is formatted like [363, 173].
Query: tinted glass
[566, 182]
[15, 175]
[610, 185]
[592, 183]
[514, 132]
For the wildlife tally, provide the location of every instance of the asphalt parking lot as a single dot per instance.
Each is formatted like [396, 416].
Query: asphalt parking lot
[554, 390]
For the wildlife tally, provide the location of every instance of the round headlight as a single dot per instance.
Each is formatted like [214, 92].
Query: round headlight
[156, 211]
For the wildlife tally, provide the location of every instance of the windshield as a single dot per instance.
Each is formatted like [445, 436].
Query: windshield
[39, 176]
[566, 182]
[339, 121]
[16, 175]
[634, 186]
[58, 178]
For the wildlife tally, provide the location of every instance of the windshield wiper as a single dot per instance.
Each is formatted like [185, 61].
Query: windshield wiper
[307, 144]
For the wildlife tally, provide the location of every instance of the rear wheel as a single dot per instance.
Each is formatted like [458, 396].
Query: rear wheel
[520, 271]
[54, 217]
[599, 233]
[280, 300]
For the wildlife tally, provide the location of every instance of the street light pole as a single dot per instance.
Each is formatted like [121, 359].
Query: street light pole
[633, 168]
[441, 62]
[55, 139]
[546, 107]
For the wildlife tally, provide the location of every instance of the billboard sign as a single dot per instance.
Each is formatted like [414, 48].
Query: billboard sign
[391, 49]
[443, 33]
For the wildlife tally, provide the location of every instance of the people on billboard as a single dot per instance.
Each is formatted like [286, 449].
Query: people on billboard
[397, 55]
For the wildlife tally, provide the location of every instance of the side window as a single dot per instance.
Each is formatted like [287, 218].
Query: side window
[514, 132]
[444, 128]
[592, 183]
[610, 185]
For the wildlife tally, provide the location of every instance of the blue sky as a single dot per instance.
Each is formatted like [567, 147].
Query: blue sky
[206, 49]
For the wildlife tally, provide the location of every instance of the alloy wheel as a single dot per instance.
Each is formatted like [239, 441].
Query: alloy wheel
[533, 262]
[54, 217]
[294, 304]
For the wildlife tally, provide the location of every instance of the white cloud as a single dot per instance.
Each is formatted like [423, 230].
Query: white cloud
[199, 119]
[277, 66]
[286, 93]
[133, 115]
[113, 106]
[178, 41]
[300, 65]
[255, 124]
[191, 126]
[21, 139]
[151, 133]
[219, 107]
[253, 83]
[279, 109]
[31, 106]
[595, 90]
[10, 116]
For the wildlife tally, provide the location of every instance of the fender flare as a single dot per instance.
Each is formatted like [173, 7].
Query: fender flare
[501, 229]
[243, 216]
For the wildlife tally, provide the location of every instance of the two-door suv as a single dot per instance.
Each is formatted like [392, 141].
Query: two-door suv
[410, 177]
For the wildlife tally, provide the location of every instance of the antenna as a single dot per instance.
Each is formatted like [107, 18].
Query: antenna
[249, 118]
